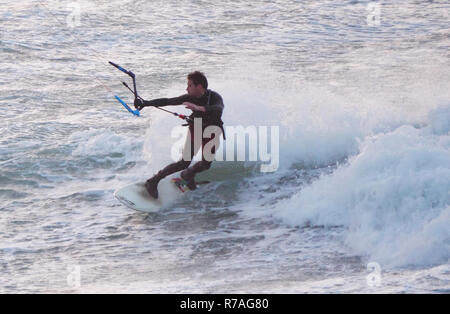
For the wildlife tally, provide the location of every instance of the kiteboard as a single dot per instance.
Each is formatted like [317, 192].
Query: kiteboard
[135, 196]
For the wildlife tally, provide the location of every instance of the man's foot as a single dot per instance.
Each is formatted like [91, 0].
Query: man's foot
[190, 182]
[152, 187]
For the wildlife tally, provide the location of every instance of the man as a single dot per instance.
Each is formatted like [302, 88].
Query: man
[205, 104]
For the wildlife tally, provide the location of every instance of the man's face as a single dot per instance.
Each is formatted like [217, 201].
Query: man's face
[193, 90]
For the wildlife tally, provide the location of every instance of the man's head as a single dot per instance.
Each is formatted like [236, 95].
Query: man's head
[197, 84]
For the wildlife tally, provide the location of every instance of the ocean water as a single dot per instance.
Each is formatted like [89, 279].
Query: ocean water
[359, 90]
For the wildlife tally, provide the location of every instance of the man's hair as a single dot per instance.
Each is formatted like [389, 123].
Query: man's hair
[198, 77]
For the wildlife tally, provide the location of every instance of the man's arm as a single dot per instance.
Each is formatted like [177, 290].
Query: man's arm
[194, 107]
[161, 102]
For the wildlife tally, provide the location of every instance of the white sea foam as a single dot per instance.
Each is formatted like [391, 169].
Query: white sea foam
[393, 196]
[101, 142]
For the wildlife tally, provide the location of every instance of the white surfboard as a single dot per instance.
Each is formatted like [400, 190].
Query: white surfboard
[135, 196]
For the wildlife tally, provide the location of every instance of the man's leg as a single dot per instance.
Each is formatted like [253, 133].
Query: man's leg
[189, 152]
[208, 155]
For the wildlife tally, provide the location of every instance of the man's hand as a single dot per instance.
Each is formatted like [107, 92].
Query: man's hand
[139, 104]
[194, 107]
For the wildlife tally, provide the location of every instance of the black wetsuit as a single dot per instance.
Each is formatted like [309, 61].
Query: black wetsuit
[214, 106]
